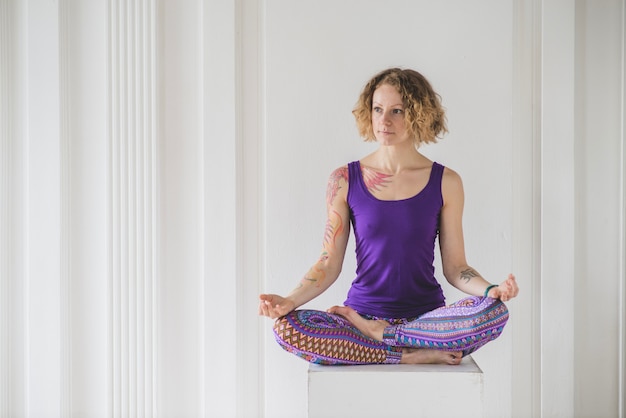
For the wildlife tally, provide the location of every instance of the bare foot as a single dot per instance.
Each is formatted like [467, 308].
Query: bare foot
[429, 356]
[373, 328]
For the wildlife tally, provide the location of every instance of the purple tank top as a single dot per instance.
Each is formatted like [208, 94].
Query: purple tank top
[395, 249]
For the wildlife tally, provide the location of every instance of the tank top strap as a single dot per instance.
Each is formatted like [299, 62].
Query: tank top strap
[436, 179]
[354, 172]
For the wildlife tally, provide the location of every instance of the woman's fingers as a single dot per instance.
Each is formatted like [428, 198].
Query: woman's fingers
[508, 289]
[269, 309]
[276, 310]
[264, 309]
[512, 284]
[266, 306]
[275, 306]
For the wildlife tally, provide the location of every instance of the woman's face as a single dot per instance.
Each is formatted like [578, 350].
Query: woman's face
[388, 116]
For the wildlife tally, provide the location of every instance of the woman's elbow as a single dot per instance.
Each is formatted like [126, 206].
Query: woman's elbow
[451, 274]
[449, 278]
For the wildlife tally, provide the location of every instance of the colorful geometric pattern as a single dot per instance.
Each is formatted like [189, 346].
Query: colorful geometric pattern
[463, 326]
[323, 338]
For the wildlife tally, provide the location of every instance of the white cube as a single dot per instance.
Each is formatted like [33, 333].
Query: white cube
[402, 390]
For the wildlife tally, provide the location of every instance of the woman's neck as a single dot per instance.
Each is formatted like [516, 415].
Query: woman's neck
[394, 159]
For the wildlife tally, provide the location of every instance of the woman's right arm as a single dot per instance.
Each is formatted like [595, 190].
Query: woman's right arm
[327, 268]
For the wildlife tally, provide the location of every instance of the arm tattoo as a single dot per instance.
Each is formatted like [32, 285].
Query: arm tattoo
[316, 274]
[468, 274]
[334, 227]
[333, 184]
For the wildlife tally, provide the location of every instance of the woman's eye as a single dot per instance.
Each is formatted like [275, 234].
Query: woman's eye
[377, 109]
[398, 111]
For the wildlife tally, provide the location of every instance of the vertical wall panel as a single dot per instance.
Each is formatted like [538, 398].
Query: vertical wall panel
[525, 323]
[86, 167]
[223, 235]
[622, 267]
[597, 206]
[557, 176]
[132, 211]
[12, 206]
[45, 338]
[5, 199]
[180, 224]
[65, 300]
[252, 333]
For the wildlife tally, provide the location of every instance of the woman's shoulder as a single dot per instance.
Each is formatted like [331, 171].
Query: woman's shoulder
[450, 175]
[337, 184]
[340, 173]
[451, 184]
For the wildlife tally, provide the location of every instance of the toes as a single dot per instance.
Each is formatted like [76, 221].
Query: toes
[341, 310]
[455, 358]
[332, 309]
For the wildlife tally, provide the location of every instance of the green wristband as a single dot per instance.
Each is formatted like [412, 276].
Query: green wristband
[489, 288]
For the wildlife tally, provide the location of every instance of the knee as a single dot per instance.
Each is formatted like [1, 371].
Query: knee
[497, 312]
[491, 313]
[501, 308]
[283, 328]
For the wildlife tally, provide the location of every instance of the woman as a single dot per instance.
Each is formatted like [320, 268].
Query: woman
[397, 201]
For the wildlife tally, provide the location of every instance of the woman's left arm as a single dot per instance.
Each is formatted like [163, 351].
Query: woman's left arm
[455, 268]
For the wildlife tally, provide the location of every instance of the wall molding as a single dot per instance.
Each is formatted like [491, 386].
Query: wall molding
[558, 154]
[235, 393]
[251, 334]
[526, 186]
[5, 210]
[132, 162]
[12, 215]
[622, 252]
[65, 301]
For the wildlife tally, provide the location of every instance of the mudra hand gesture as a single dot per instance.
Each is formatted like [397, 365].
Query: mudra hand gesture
[275, 306]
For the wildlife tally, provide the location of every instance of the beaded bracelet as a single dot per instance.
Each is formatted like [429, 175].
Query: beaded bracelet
[489, 288]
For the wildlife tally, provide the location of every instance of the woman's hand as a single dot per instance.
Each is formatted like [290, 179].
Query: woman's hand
[506, 290]
[275, 306]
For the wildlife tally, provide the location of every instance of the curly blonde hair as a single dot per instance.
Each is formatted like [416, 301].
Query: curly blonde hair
[424, 116]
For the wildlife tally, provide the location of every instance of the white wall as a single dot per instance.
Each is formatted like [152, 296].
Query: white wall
[163, 162]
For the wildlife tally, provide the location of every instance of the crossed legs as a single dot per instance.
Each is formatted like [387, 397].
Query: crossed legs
[374, 328]
[342, 336]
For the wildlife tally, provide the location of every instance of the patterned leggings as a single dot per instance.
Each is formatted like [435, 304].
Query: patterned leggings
[323, 338]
